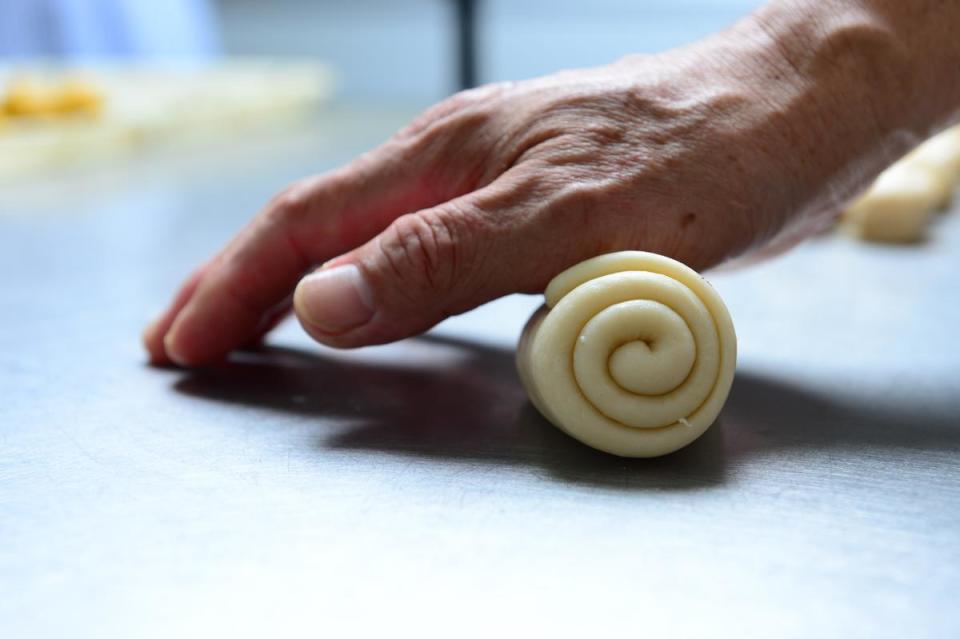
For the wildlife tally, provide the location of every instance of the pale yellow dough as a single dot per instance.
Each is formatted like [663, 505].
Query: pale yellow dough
[899, 205]
[940, 154]
[633, 354]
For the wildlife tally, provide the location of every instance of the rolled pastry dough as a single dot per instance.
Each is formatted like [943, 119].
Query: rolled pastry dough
[899, 205]
[633, 354]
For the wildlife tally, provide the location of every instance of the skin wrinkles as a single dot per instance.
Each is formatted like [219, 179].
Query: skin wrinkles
[730, 149]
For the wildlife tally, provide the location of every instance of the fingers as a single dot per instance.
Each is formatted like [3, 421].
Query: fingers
[228, 304]
[154, 333]
[270, 320]
[449, 151]
[423, 268]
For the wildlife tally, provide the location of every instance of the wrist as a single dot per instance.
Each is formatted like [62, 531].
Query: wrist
[832, 96]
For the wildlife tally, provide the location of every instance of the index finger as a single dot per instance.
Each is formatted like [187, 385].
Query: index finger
[223, 304]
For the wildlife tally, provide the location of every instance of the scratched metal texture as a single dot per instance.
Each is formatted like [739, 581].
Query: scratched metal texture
[411, 486]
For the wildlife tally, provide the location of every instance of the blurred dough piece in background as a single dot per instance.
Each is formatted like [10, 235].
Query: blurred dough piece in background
[28, 97]
[55, 116]
[899, 206]
[940, 154]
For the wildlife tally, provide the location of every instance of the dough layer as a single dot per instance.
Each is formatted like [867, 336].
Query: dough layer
[633, 354]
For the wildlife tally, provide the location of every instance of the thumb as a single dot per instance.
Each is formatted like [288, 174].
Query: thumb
[423, 268]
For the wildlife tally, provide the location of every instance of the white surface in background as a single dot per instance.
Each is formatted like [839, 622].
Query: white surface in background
[78, 29]
[403, 50]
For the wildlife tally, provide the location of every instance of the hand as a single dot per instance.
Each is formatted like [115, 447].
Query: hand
[691, 154]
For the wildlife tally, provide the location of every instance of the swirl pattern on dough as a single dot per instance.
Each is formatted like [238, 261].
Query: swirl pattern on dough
[633, 354]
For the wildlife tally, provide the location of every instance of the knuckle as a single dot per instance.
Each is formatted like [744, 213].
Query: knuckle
[453, 105]
[447, 137]
[291, 205]
[429, 118]
[424, 250]
[458, 144]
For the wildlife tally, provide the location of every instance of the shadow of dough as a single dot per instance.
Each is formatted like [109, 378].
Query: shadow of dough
[471, 409]
[462, 401]
[765, 414]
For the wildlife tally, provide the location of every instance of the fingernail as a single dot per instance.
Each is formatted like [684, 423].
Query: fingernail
[156, 351]
[148, 332]
[169, 347]
[334, 300]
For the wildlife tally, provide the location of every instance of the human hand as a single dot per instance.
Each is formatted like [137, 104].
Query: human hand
[693, 154]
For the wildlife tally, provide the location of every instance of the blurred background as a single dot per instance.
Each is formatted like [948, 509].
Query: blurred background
[83, 81]
[400, 50]
[405, 50]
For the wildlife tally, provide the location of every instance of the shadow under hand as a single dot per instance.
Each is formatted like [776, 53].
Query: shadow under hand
[449, 400]
[454, 400]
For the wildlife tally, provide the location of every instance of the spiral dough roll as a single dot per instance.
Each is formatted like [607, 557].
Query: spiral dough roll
[633, 354]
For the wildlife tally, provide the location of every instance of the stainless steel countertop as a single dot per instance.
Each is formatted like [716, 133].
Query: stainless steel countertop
[297, 489]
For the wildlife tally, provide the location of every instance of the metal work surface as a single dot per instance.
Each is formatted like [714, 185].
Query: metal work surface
[297, 488]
